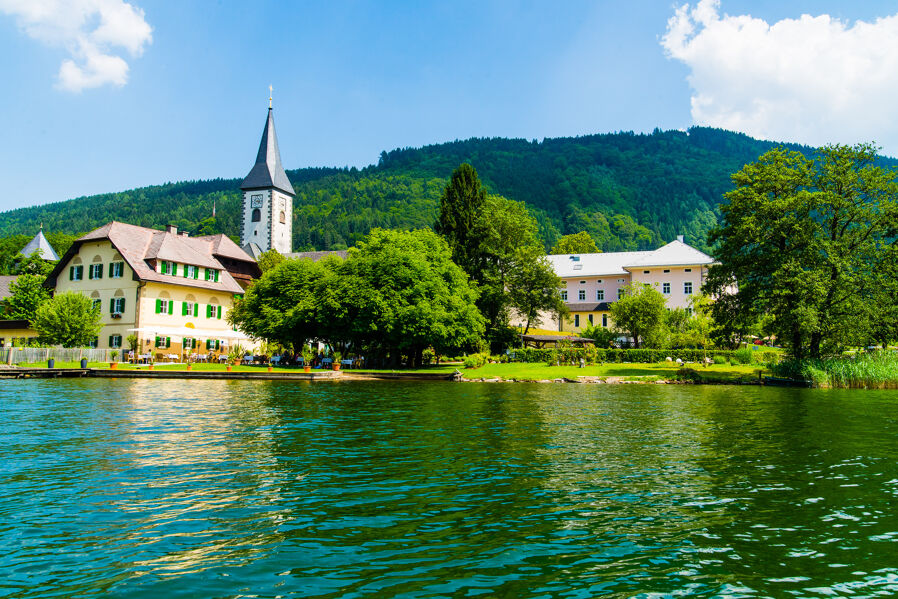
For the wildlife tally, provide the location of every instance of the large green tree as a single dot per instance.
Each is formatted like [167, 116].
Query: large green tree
[68, 319]
[576, 243]
[807, 242]
[639, 313]
[27, 294]
[460, 207]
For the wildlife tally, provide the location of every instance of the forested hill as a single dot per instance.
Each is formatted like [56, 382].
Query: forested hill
[629, 191]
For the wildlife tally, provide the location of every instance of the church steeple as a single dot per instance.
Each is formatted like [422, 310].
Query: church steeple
[268, 197]
[268, 171]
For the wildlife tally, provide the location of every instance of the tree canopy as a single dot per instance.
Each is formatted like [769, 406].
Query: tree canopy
[576, 243]
[811, 243]
[639, 313]
[397, 293]
[68, 319]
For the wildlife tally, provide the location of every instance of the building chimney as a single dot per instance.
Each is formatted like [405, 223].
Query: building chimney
[680, 239]
[171, 229]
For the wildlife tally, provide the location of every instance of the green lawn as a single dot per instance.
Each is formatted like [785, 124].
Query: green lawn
[663, 370]
[517, 371]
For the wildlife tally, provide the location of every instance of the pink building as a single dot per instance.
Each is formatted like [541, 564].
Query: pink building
[593, 281]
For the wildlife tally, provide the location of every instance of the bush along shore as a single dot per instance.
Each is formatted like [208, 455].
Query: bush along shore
[873, 370]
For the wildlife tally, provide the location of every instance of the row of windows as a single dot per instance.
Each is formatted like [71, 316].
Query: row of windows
[188, 343]
[116, 304]
[167, 306]
[188, 271]
[256, 216]
[589, 317]
[95, 271]
[600, 293]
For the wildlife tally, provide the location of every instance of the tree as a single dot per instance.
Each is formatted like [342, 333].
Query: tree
[577, 243]
[28, 293]
[270, 259]
[284, 305]
[639, 312]
[460, 205]
[602, 336]
[68, 319]
[514, 274]
[400, 291]
[807, 240]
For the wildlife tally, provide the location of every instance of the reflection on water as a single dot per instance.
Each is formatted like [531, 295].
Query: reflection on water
[225, 489]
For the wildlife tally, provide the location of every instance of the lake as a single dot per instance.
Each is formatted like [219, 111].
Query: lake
[170, 488]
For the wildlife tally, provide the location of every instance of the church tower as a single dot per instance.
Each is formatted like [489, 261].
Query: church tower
[268, 197]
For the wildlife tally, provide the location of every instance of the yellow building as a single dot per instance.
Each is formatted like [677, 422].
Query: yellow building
[171, 290]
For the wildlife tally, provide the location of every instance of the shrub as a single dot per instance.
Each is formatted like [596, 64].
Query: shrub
[744, 356]
[476, 360]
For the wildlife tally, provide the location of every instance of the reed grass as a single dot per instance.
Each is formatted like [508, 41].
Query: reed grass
[873, 370]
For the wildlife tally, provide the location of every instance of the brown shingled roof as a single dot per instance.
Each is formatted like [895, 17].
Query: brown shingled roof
[139, 244]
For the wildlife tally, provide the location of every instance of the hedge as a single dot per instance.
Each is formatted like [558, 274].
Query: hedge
[591, 355]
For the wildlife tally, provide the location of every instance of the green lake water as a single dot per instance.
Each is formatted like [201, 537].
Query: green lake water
[149, 488]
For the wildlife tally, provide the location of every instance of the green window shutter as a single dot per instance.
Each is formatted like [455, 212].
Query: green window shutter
[196, 272]
[196, 310]
[110, 341]
[121, 304]
[216, 276]
[157, 341]
[164, 267]
[99, 271]
[71, 273]
[111, 305]
[218, 312]
[111, 264]
[185, 271]
[90, 272]
[168, 342]
[171, 307]
[207, 344]
[183, 308]
[158, 306]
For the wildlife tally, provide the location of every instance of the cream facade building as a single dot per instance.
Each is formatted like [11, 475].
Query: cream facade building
[171, 290]
[592, 282]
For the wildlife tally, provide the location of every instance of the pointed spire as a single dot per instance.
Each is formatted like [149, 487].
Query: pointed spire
[268, 170]
[40, 243]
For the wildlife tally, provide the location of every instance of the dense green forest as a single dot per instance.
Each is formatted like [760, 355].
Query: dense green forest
[629, 191]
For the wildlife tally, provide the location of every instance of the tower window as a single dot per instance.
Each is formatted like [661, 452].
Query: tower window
[257, 215]
[283, 218]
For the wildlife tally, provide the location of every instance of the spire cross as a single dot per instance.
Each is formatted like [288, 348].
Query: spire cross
[270, 89]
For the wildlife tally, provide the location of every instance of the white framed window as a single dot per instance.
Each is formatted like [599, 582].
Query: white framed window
[600, 295]
[191, 272]
[212, 274]
[621, 280]
[620, 292]
[605, 320]
[164, 306]
[115, 341]
[93, 343]
[564, 294]
[665, 288]
[583, 282]
[116, 270]
[95, 271]
[76, 273]
[188, 343]
[687, 287]
[581, 294]
[163, 342]
[576, 320]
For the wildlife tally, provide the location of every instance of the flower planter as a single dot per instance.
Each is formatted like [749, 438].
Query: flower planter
[150, 367]
[230, 368]
[307, 369]
[190, 367]
[270, 369]
[113, 366]
[336, 366]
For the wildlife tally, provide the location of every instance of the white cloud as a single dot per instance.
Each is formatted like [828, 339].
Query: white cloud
[814, 79]
[94, 32]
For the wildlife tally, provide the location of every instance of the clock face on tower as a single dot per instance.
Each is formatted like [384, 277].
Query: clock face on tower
[255, 201]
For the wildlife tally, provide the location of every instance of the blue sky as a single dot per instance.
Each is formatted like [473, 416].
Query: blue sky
[105, 95]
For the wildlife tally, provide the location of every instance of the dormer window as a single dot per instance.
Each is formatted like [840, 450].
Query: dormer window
[168, 268]
[191, 272]
[212, 274]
